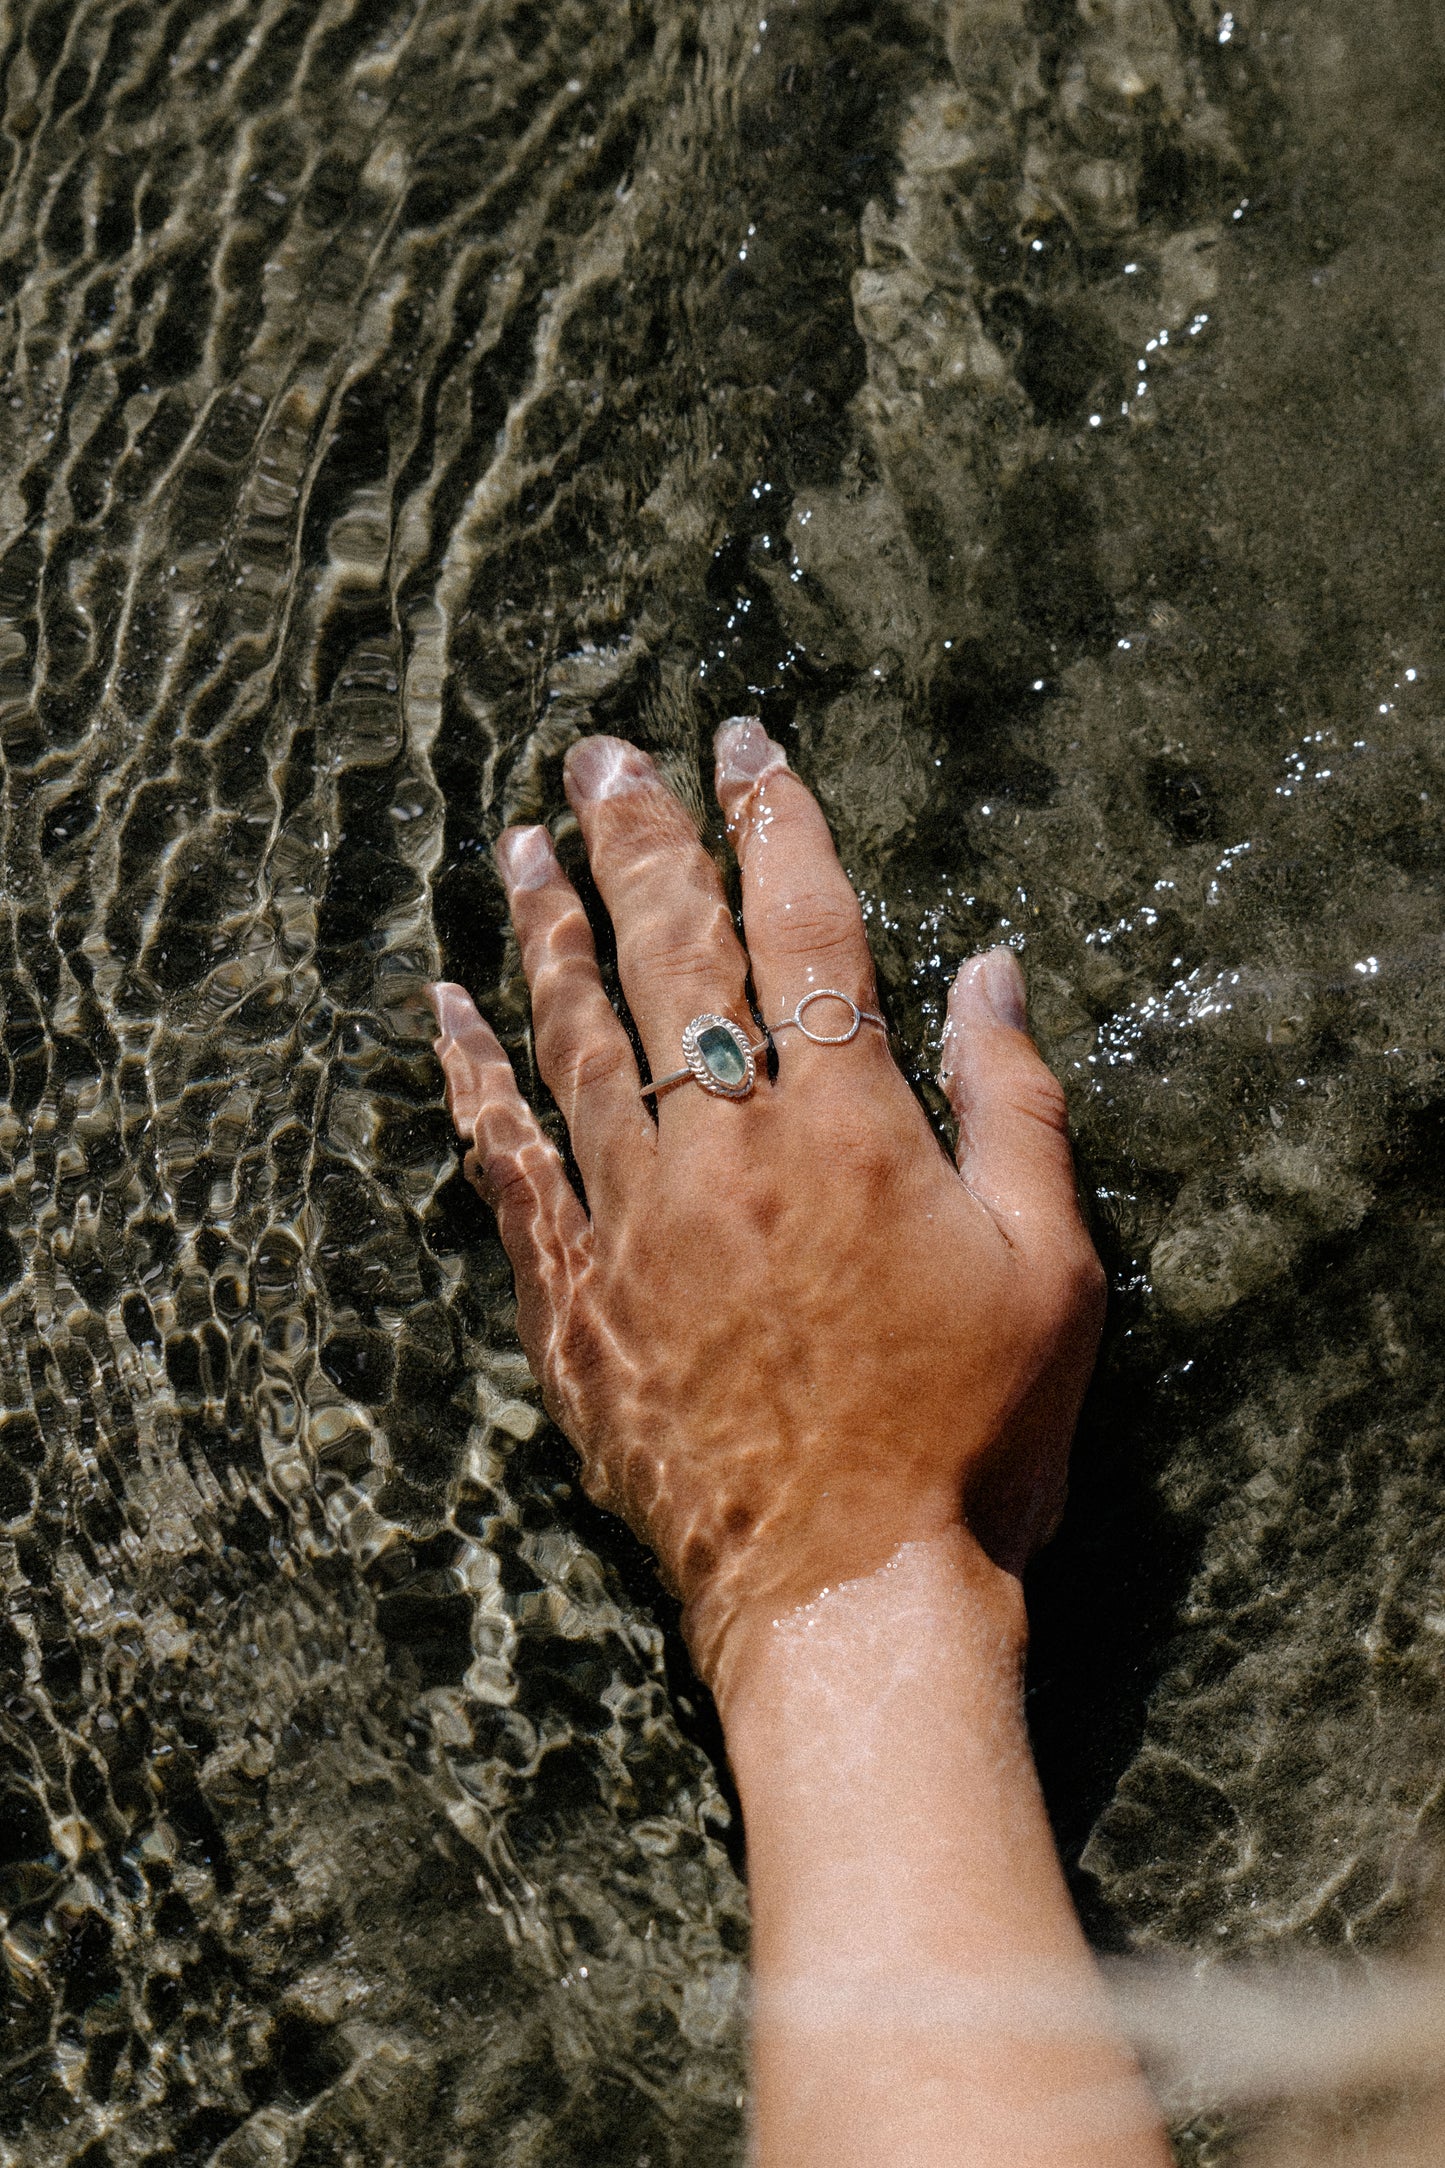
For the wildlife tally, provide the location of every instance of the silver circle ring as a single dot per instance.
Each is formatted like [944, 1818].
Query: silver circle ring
[830, 1038]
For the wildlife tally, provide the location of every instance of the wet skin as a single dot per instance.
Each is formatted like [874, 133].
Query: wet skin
[831, 1378]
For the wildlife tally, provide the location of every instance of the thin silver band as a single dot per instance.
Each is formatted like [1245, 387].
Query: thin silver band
[861, 1016]
[825, 1038]
[681, 1076]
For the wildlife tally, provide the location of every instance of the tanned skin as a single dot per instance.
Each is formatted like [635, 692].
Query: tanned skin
[831, 1377]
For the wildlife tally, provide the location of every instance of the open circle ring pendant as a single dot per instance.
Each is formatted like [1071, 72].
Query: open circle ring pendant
[721, 1058]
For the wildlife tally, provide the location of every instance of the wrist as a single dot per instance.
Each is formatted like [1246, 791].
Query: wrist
[878, 1741]
[938, 1594]
[919, 1975]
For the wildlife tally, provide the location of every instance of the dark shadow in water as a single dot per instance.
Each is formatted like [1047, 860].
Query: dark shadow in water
[1106, 1598]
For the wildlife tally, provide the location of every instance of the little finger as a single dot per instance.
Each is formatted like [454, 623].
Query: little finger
[513, 1166]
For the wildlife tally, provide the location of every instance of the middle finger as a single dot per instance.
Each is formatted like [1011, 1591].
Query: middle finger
[677, 952]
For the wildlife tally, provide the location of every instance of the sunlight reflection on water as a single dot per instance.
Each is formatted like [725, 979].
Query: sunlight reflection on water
[392, 392]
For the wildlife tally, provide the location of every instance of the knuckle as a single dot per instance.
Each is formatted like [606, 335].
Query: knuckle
[1090, 1284]
[661, 956]
[761, 1201]
[498, 1176]
[860, 1148]
[513, 1176]
[1087, 1280]
[688, 947]
[560, 958]
[1039, 1096]
[650, 822]
[583, 1069]
[1078, 1284]
[819, 926]
[501, 1128]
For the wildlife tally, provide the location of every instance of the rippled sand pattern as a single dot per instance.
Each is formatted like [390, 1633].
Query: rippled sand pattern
[392, 391]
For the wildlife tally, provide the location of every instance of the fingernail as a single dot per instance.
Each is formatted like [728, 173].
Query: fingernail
[1002, 984]
[745, 752]
[604, 768]
[525, 858]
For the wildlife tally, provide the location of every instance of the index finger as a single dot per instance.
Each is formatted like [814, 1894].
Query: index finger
[803, 925]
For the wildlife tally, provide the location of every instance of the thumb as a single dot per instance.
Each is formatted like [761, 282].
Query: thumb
[1013, 1141]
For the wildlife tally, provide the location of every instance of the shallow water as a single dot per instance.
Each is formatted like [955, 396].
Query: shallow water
[391, 392]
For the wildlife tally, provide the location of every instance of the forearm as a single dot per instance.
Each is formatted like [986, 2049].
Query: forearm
[721, 1332]
[923, 1992]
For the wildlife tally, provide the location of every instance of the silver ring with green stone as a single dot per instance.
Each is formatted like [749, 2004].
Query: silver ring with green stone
[718, 1056]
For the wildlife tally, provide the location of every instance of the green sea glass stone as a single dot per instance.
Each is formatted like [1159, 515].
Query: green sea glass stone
[724, 1057]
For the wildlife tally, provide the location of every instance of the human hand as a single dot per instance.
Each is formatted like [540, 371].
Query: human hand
[786, 1335]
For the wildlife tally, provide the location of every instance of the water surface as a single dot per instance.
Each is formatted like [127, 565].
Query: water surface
[1035, 410]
